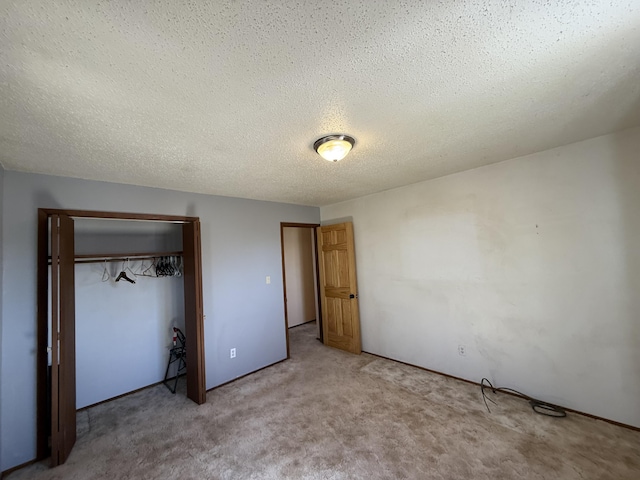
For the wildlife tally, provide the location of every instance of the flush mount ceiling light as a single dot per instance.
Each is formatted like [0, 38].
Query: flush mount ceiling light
[334, 147]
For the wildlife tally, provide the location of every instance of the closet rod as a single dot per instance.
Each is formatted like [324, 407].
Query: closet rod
[119, 257]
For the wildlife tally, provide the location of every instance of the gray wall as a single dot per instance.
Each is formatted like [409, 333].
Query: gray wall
[532, 264]
[240, 247]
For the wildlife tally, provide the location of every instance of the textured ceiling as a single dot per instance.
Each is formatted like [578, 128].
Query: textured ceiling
[228, 97]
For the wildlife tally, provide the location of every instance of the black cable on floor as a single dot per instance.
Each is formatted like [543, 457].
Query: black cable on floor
[538, 406]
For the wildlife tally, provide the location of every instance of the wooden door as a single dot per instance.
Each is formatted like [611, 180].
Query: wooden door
[338, 287]
[63, 340]
[193, 312]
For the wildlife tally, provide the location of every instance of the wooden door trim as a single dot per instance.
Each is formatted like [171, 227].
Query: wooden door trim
[153, 217]
[312, 226]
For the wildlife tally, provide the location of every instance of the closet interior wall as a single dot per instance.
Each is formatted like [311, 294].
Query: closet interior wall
[123, 330]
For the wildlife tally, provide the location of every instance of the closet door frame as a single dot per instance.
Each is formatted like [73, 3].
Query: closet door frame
[194, 317]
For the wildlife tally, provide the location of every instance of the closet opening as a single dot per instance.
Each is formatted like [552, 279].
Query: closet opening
[130, 279]
[300, 277]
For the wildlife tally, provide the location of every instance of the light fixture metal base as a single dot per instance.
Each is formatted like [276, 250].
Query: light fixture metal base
[332, 153]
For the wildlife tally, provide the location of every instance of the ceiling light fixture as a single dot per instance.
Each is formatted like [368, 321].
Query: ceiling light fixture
[334, 147]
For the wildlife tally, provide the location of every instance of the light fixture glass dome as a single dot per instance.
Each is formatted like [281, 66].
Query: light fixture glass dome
[334, 147]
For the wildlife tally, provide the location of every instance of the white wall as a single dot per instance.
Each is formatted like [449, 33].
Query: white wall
[240, 246]
[533, 264]
[299, 275]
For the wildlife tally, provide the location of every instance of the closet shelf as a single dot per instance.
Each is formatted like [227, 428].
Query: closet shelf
[118, 257]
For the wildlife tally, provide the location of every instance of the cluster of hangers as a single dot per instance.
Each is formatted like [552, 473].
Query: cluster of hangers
[166, 266]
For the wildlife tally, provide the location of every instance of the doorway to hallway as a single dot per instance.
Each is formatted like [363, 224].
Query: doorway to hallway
[300, 277]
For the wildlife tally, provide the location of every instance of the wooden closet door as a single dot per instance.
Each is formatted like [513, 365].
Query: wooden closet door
[193, 312]
[63, 340]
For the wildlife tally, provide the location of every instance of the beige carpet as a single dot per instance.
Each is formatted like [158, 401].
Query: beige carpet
[326, 414]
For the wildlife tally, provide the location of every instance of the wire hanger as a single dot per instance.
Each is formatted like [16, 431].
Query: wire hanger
[106, 276]
[145, 271]
[138, 271]
[178, 265]
[129, 269]
[149, 271]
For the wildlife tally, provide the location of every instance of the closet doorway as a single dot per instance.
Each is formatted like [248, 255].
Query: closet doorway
[56, 401]
[300, 276]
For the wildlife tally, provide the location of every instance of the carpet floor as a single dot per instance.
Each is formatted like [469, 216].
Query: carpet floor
[326, 414]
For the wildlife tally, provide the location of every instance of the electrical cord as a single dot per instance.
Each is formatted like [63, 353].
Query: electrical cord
[538, 406]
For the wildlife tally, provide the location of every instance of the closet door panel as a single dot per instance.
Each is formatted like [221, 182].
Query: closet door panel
[193, 315]
[63, 339]
[44, 299]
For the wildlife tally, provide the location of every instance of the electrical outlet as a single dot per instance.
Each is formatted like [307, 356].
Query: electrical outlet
[268, 279]
[232, 353]
[462, 350]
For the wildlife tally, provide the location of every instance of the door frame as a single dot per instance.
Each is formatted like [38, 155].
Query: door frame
[313, 227]
[196, 385]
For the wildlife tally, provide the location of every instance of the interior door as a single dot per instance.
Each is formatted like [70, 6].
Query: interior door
[338, 287]
[193, 315]
[63, 340]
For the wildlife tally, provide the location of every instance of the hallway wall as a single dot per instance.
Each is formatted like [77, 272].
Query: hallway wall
[299, 275]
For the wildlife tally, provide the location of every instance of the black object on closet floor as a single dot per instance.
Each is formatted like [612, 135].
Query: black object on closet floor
[177, 354]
